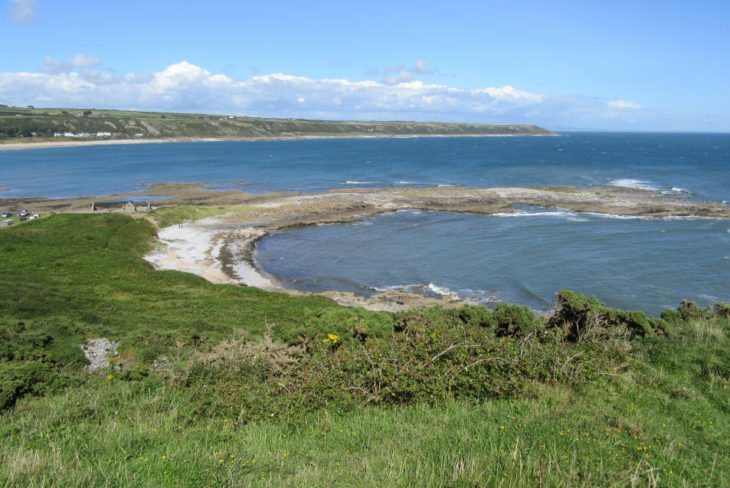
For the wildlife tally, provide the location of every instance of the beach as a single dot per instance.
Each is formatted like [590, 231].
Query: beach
[10, 146]
[220, 248]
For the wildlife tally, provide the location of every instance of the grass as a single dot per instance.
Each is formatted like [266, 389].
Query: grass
[644, 408]
[31, 124]
[166, 216]
[627, 432]
[88, 270]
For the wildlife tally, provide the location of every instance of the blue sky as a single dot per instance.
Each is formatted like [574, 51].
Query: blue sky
[619, 65]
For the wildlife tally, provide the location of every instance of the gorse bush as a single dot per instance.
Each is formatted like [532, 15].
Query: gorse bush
[342, 359]
[37, 357]
[581, 316]
[506, 320]
[347, 323]
[430, 355]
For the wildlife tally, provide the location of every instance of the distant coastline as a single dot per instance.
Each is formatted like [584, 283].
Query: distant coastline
[54, 127]
[12, 146]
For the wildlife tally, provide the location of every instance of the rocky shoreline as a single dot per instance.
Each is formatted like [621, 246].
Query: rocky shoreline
[221, 248]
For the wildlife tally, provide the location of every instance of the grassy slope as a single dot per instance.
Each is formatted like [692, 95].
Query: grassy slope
[660, 418]
[88, 269]
[17, 125]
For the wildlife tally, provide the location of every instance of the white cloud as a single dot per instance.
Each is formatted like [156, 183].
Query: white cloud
[23, 11]
[510, 93]
[422, 67]
[623, 105]
[189, 88]
[393, 75]
[80, 60]
[401, 76]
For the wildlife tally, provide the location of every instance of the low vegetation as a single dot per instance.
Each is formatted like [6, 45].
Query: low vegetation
[225, 385]
[31, 124]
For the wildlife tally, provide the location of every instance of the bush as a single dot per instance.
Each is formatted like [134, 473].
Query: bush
[476, 316]
[580, 317]
[426, 356]
[347, 323]
[690, 310]
[722, 310]
[36, 357]
[18, 379]
[506, 320]
[516, 321]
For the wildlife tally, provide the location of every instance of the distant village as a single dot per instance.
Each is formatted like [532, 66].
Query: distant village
[22, 216]
[82, 134]
[10, 218]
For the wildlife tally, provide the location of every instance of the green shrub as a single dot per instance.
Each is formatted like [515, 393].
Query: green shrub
[430, 355]
[18, 379]
[671, 316]
[476, 316]
[516, 321]
[722, 310]
[580, 316]
[347, 323]
[37, 357]
[690, 310]
[21, 378]
[506, 320]
[40, 340]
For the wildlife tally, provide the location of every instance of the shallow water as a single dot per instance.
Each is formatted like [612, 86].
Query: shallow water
[627, 263]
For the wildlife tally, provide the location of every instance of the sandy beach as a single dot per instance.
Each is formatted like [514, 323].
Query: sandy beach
[115, 142]
[221, 248]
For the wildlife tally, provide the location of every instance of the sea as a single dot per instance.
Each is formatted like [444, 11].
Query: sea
[634, 263]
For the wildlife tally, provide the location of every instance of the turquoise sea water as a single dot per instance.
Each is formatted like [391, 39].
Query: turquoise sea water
[630, 263]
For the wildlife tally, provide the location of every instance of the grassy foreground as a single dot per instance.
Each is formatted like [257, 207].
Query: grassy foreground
[228, 386]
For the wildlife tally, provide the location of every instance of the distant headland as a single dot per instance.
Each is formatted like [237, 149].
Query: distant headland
[50, 127]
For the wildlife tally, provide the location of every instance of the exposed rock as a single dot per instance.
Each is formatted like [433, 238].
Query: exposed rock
[221, 248]
[98, 352]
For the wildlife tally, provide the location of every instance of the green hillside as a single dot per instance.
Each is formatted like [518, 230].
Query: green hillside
[220, 385]
[32, 124]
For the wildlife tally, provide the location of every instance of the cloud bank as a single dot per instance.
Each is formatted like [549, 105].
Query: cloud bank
[186, 87]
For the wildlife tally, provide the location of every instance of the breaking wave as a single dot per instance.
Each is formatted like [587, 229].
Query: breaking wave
[632, 183]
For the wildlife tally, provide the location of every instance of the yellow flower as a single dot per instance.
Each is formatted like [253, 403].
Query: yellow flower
[334, 338]
[325, 341]
[109, 377]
